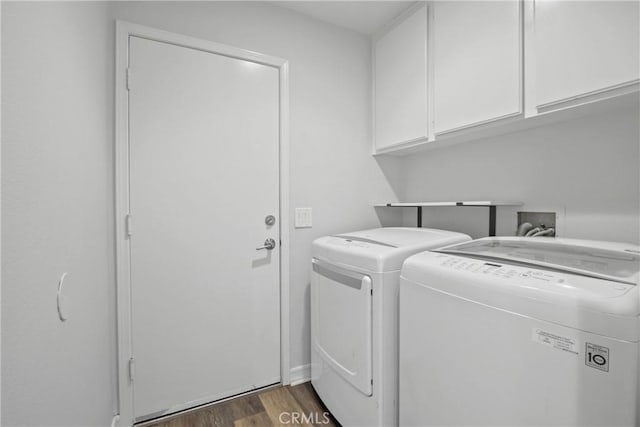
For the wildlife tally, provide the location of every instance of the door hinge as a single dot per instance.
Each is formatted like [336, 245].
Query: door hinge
[128, 78]
[129, 225]
[132, 371]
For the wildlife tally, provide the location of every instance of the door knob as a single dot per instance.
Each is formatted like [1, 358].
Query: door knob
[269, 244]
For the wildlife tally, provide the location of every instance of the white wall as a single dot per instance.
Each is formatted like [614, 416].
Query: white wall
[587, 170]
[0, 227]
[57, 183]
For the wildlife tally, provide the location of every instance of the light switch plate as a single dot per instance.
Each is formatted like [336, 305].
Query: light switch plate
[303, 218]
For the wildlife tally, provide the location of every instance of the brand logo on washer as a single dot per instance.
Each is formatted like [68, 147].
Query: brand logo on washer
[597, 356]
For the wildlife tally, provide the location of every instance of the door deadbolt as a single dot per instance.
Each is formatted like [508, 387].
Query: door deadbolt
[270, 220]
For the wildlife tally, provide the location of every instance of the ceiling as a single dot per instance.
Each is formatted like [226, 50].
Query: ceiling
[365, 17]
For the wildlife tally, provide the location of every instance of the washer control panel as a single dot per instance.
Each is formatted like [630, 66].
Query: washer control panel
[534, 277]
[498, 270]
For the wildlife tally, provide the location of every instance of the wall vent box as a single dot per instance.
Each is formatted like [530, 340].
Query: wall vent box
[538, 219]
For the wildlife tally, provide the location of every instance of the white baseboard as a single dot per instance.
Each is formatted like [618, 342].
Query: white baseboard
[300, 374]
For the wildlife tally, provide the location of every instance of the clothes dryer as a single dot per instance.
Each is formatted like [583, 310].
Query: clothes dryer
[354, 319]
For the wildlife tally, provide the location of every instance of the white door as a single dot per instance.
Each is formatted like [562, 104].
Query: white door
[476, 63]
[204, 150]
[583, 47]
[400, 82]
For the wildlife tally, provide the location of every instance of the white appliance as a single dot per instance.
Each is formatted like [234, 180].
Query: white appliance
[354, 298]
[520, 332]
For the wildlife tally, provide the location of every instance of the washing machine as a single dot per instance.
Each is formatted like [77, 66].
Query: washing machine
[354, 318]
[520, 332]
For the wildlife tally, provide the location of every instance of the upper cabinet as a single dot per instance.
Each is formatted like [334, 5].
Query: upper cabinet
[400, 82]
[584, 50]
[454, 71]
[477, 63]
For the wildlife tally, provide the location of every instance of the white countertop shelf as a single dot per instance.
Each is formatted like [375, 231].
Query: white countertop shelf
[465, 203]
[460, 203]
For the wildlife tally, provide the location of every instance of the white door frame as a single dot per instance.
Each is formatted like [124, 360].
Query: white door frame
[123, 284]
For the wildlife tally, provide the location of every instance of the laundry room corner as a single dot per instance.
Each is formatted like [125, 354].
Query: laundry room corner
[222, 212]
[584, 169]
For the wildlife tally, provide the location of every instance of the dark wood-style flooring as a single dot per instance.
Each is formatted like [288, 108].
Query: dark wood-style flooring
[291, 406]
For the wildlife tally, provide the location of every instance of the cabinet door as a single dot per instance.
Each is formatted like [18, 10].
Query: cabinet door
[584, 48]
[401, 82]
[477, 62]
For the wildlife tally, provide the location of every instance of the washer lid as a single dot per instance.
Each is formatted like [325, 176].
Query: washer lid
[618, 262]
[382, 249]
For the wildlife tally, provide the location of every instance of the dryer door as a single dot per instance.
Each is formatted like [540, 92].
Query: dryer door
[341, 322]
